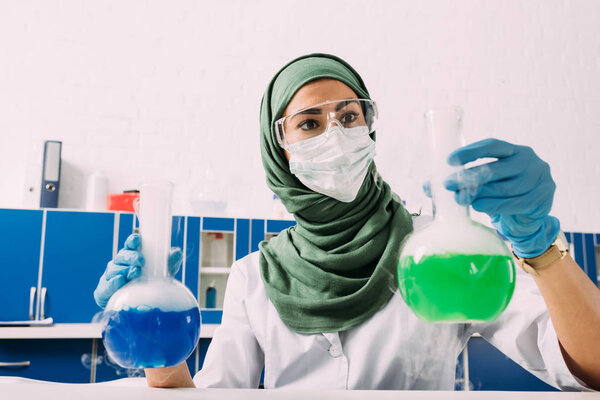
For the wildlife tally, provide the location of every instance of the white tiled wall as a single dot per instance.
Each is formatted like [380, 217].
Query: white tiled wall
[169, 89]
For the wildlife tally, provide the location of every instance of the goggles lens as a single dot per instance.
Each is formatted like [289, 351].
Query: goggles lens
[313, 121]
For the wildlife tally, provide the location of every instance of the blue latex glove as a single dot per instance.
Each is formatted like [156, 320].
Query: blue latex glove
[126, 266]
[516, 191]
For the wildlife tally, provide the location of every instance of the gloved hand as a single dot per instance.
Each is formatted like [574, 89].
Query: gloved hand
[516, 191]
[127, 266]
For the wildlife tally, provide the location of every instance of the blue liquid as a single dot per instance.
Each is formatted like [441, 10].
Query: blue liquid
[151, 338]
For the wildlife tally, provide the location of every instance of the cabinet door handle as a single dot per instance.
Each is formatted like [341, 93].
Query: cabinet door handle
[43, 303]
[32, 302]
[15, 364]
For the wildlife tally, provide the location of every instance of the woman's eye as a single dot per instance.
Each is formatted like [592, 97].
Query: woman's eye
[349, 118]
[308, 125]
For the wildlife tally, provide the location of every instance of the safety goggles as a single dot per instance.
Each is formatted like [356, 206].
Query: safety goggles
[313, 121]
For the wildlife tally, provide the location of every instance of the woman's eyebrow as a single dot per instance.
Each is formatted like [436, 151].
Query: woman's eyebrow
[311, 111]
[307, 111]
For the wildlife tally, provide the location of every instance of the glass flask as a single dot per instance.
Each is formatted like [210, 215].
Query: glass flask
[454, 269]
[153, 321]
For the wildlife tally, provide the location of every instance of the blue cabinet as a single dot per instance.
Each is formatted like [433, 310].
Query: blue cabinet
[126, 224]
[218, 224]
[58, 360]
[20, 241]
[77, 247]
[257, 233]
[584, 252]
[490, 369]
[192, 254]
[242, 238]
[177, 238]
[274, 226]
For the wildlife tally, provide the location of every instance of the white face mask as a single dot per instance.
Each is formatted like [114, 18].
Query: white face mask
[335, 163]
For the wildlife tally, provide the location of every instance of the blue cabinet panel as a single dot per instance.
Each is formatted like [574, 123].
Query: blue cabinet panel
[125, 228]
[584, 252]
[218, 224]
[276, 226]
[202, 349]
[569, 237]
[78, 246]
[211, 316]
[177, 234]
[57, 360]
[191, 362]
[459, 373]
[20, 240]
[579, 255]
[242, 238]
[192, 254]
[257, 233]
[590, 257]
[490, 369]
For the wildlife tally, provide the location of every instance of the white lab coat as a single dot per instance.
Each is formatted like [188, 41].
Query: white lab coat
[391, 350]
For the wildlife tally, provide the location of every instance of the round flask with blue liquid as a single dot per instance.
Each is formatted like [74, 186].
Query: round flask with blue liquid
[154, 320]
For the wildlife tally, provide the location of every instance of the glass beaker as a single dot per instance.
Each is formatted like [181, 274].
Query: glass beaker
[454, 269]
[153, 321]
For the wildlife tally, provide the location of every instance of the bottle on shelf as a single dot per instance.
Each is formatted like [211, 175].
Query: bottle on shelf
[211, 295]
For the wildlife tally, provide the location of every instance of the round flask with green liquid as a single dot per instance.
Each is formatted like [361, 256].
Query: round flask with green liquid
[454, 269]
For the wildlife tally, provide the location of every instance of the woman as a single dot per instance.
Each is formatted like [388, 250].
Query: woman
[317, 306]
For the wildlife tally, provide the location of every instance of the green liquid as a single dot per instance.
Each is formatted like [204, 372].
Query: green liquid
[457, 287]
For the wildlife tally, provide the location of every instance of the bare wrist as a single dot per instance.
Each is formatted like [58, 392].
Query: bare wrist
[169, 377]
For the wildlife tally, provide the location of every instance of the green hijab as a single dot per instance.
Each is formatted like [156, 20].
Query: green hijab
[337, 266]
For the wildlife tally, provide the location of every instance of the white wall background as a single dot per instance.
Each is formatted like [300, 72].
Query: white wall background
[171, 89]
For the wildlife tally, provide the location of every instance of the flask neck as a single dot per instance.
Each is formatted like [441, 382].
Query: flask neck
[155, 227]
[444, 135]
[445, 207]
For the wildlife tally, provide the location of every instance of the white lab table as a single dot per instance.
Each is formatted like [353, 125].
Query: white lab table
[73, 331]
[20, 388]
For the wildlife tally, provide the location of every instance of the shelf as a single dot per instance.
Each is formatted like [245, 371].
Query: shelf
[56, 331]
[73, 331]
[215, 270]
